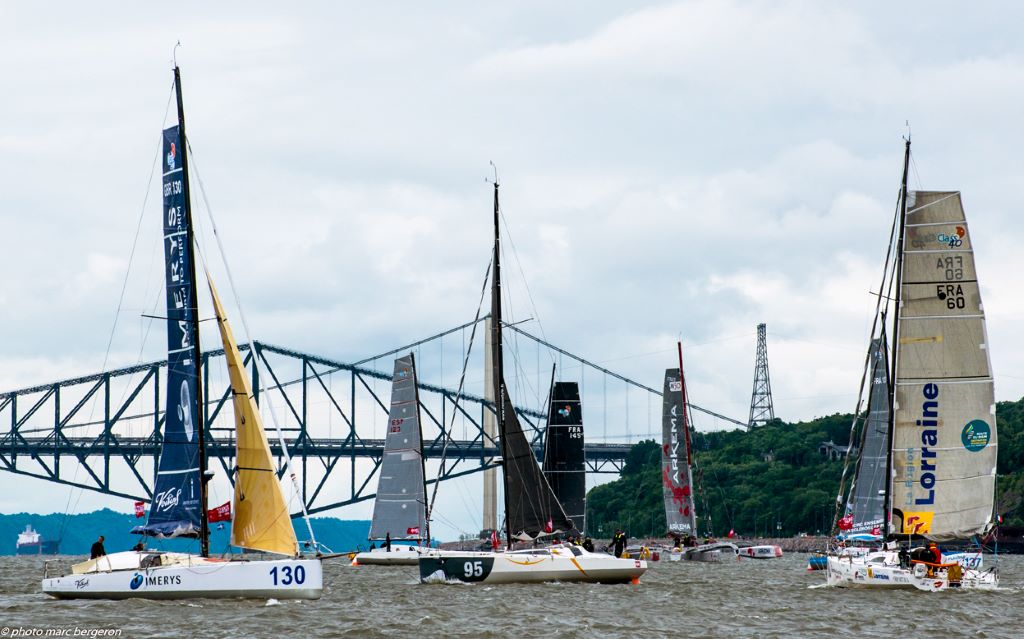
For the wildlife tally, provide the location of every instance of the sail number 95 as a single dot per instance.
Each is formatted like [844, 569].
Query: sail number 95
[288, 575]
[473, 569]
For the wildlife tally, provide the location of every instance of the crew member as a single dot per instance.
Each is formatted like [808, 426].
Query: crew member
[387, 541]
[588, 544]
[97, 549]
[936, 553]
[619, 543]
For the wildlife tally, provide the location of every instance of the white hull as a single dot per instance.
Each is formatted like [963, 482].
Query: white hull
[760, 552]
[705, 552]
[881, 570]
[180, 576]
[399, 556]
[528, 566]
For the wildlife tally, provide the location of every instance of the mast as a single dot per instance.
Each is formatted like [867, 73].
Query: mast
[887, 510]
[204, 524]
[497, 361]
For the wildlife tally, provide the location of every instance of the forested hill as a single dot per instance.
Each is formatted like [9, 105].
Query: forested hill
[772, 481]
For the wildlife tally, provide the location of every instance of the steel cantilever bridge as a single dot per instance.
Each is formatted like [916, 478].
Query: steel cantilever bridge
[102, 432]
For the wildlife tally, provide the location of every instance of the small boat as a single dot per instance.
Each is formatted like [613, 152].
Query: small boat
[531, 508]
[31, 542]
[940, 449]
[759, 552]
[179, 509]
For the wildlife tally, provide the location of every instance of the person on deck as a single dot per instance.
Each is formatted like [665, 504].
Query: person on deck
[97, 549]
[387, 542]
[619, 543]
[936, 553]
[588, 544]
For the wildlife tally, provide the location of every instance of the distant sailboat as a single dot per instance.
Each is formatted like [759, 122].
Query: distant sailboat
[941, 447]
[531, 508]
[400, 509]
[179, 508]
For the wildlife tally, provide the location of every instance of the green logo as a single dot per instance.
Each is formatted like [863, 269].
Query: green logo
[976, 435]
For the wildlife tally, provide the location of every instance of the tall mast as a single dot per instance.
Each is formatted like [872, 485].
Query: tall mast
[496, 359]
[204, 524]
[686, 439]
[887, 510]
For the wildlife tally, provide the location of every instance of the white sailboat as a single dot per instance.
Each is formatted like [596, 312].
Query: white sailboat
[531, 507]
[941, 446]
[179, 507]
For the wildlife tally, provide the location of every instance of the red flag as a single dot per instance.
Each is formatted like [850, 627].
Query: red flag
[550, 526]
[412, 530]
[140, 509]
[220, 513]
[846, 522]
[494, 539]
[732, 533]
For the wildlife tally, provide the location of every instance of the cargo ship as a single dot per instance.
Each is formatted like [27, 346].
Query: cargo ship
[32, 543]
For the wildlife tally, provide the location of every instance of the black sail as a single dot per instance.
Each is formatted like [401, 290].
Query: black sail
[564, 465]
[531, 508]
[867, 502]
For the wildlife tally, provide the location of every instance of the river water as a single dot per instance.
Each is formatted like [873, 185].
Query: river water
[745, 598]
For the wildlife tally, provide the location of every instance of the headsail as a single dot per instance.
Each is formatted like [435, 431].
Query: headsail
[944, 446]
[177, 502]
[400, 507]
[676, 476]
[261, 518]
[564, 464]
[531, 508]
[867, 500]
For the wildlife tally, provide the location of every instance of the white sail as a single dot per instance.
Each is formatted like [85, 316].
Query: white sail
[944, 438]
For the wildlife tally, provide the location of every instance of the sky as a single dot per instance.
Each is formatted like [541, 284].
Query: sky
[669, 171]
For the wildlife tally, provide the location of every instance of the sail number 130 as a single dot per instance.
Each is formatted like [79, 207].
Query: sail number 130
[288, 575]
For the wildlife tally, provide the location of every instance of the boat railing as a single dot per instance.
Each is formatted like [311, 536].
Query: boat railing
[56, 568]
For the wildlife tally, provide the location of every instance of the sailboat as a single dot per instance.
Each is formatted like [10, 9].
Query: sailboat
[179, 507]
[677, 473]
[941, 433]
[531, 508]
[564, 464]
[399, 511]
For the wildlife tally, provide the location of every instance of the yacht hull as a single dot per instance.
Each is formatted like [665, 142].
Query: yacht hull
[528, 567]
[188, 577]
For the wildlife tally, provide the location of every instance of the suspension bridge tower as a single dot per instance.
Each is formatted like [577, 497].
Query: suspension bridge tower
[761, 409]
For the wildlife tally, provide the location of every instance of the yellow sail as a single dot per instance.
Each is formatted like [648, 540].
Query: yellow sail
[261, 519]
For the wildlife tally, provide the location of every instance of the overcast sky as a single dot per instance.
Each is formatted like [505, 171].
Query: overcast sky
[679, 169]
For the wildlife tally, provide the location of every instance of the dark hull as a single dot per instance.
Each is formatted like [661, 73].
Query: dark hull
[42, 548]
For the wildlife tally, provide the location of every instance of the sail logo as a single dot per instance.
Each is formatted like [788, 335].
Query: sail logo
[167, 499]
[918, 523]
[171, 157]
[675, 385]
[185, 410]
[136, 582]
[953, 240]
[929, 424]
[565, 411]
[976, 435]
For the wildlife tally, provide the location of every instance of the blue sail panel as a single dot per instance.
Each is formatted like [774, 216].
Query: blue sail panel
[176, 509]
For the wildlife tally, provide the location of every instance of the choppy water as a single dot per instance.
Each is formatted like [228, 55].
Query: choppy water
[748, 598]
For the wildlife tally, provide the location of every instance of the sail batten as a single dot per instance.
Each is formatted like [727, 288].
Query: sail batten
[399, 511]
[944, 439]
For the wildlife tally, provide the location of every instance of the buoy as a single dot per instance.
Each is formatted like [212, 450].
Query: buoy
[635, 581]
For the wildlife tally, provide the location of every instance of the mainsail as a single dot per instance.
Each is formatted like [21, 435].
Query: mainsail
[676, 475]
[261, 518]
[177, 506]
[944, 440]
[867, 499]
[564, 464]
[400, 508]
[531, 508]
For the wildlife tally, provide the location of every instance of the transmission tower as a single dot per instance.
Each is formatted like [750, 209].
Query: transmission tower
[761, 409]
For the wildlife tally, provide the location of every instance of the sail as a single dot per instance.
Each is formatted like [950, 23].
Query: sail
[564, 464]
[944, 440]
[261, 518]
[675, 467]
[400, 507]
[176, 508]
[867, 499]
